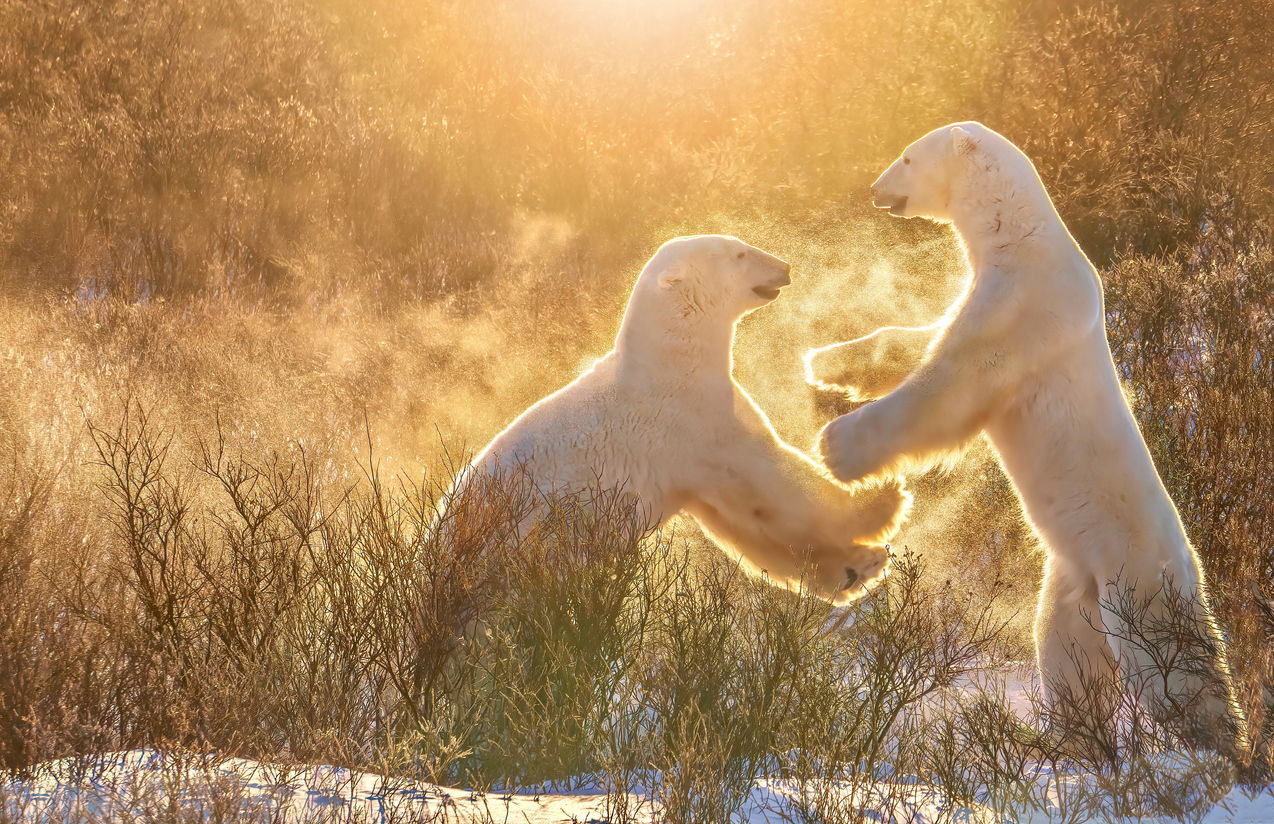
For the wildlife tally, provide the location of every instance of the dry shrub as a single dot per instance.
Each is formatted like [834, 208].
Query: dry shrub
[241, 606]
[1192, 334]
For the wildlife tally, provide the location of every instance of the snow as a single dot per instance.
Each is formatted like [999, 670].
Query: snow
[120, 785]
[123, 785]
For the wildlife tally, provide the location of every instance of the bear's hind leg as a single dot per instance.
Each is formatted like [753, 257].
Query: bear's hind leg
[1077, 667]
[1171, 658]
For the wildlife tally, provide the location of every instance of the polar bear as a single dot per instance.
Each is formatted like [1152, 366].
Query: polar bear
[661, 417]
[1023, 357]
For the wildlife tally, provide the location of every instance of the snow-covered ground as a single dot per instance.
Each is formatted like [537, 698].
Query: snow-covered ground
[145, 784]
[123, 784]
[126, 786]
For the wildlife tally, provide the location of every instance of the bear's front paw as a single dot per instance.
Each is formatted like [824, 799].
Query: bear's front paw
[881, 511]
[842, 575]
[869, 367]
[849, 449]
[832, 368]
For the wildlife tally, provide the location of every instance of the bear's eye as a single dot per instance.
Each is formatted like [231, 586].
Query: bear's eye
[906, 161]
[739, 255]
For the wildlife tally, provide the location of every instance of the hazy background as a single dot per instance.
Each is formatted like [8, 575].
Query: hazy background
[316, 225]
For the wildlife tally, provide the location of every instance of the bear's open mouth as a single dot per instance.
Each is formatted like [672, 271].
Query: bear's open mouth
[894, 203]
[766, 292]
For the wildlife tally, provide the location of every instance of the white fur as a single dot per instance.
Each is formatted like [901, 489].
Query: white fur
[1023, 357]
[660, 416]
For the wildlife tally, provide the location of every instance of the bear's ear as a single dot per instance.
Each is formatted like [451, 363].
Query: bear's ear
[670, 278]
[962, 143]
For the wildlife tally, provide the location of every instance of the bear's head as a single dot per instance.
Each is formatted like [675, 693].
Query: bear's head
[711, 277]
[923, 181]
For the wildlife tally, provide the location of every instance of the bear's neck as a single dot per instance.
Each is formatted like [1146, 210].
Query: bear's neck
[1001, 216]
[670, 350]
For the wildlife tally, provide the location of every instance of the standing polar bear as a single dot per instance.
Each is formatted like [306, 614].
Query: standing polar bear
[1023, 357]
[661, 417]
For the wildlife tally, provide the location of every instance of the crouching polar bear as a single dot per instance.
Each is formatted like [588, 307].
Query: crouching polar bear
[661, 417]
[1023, 357]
